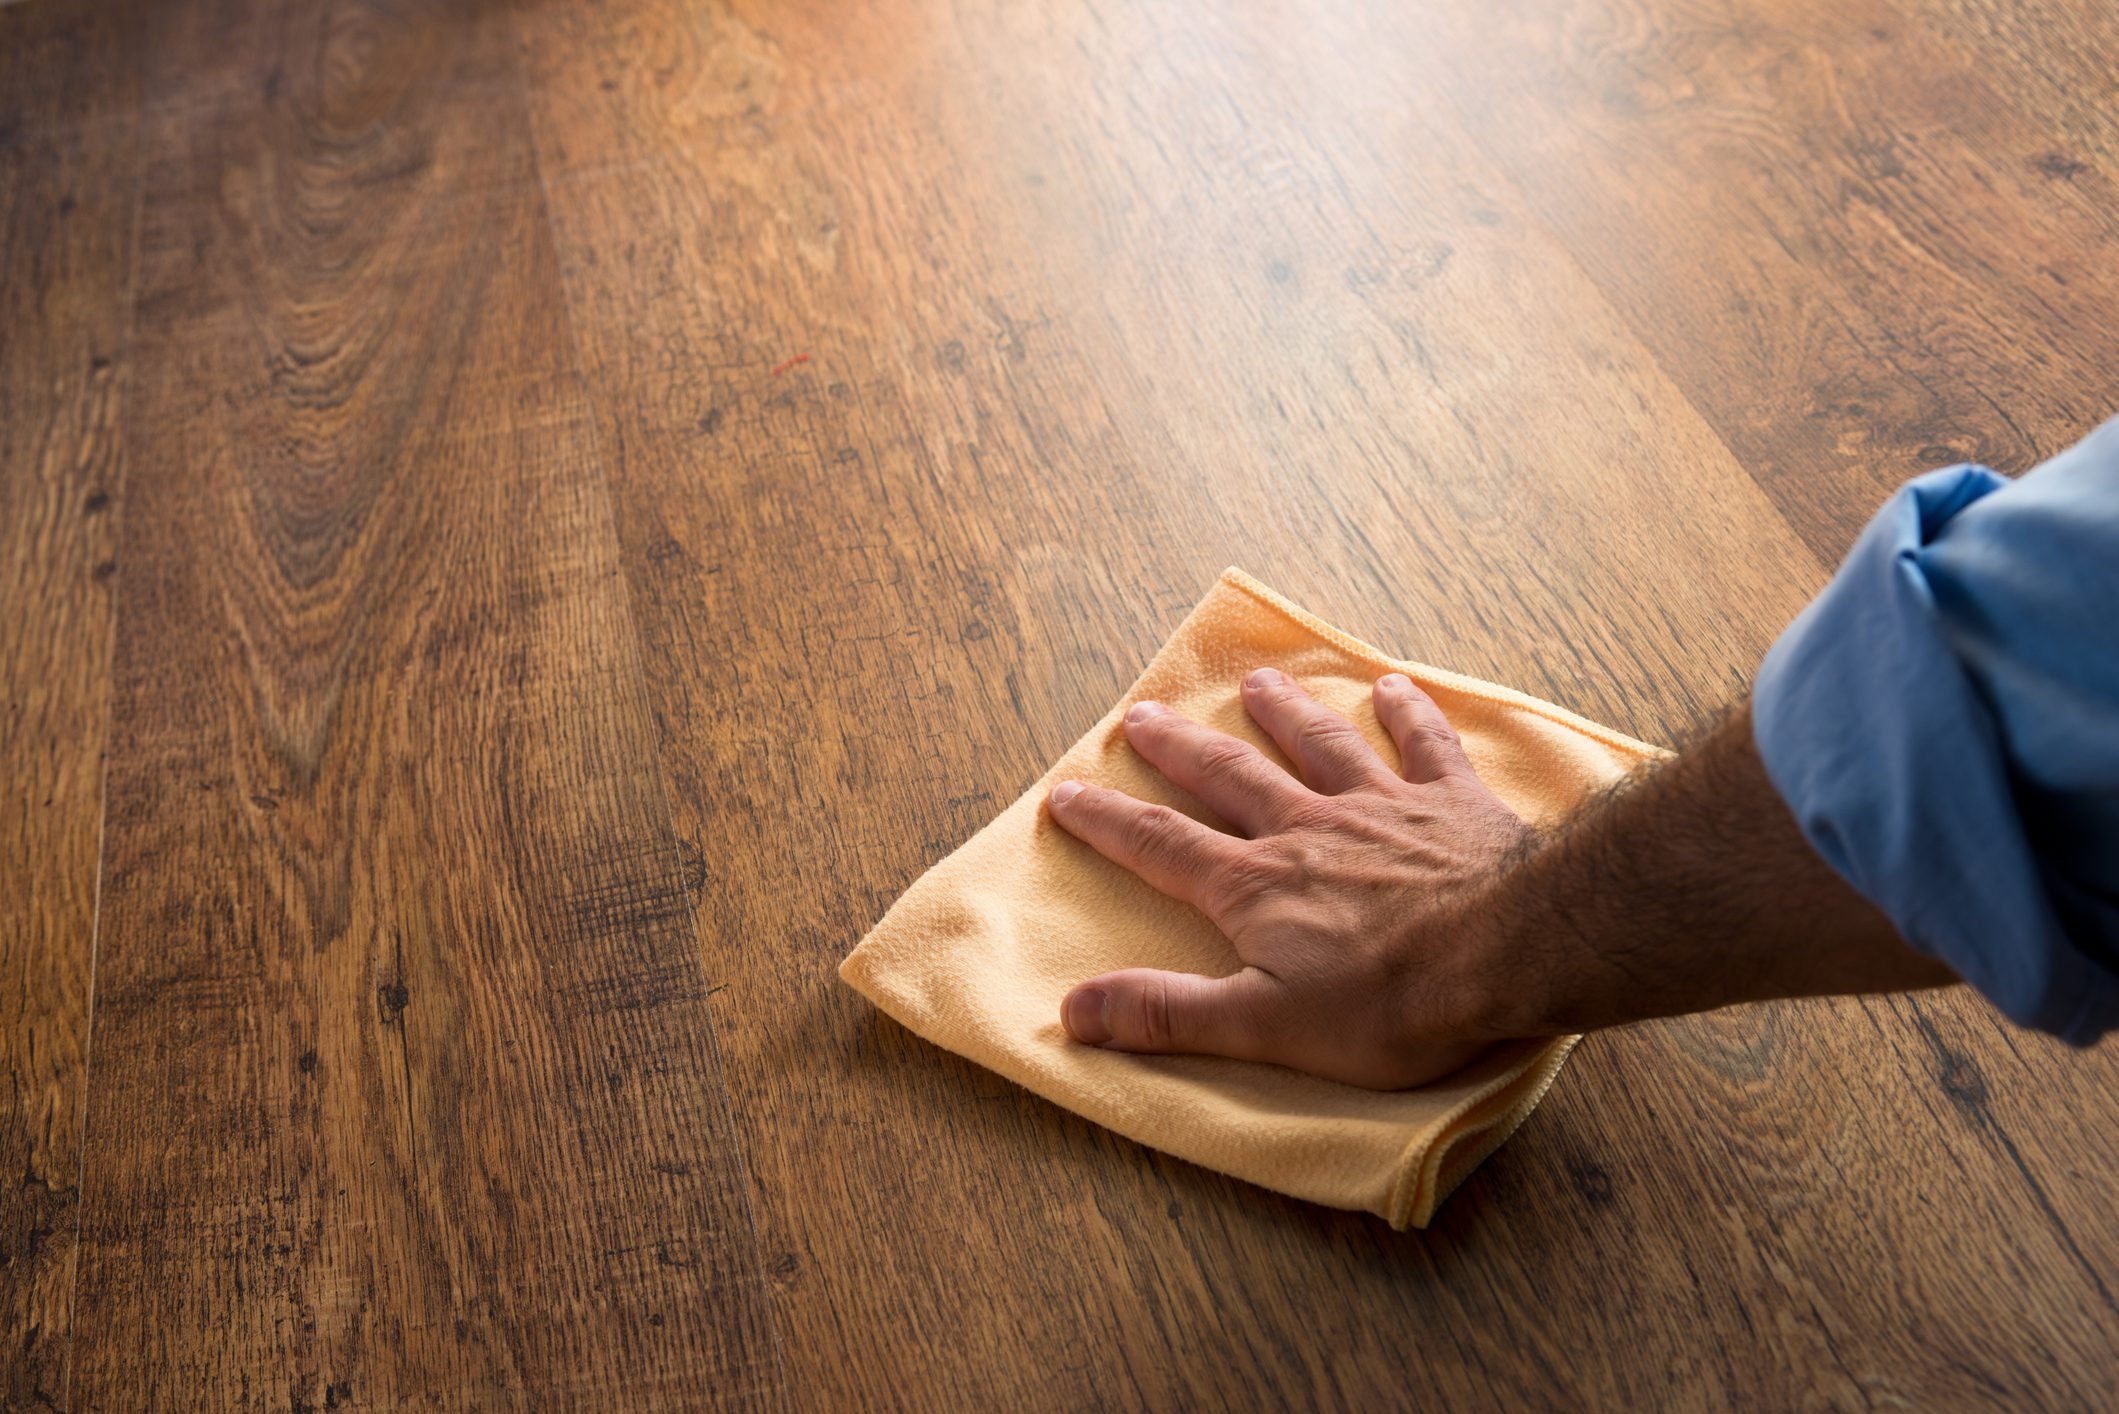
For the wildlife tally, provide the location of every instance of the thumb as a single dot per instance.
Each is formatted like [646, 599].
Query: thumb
[1169, 1013]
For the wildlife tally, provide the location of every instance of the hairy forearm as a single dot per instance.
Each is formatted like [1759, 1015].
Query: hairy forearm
[1687, 887]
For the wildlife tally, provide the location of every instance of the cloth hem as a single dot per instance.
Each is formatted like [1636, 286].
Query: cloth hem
[1421, 1185]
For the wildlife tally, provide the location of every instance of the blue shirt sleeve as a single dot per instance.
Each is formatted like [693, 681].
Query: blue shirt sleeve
[1944, 722]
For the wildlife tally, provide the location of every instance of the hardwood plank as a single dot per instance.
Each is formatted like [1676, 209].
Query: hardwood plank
[934, 355]
[1329, 383]
[1765, 1133]
[1093, 305]
[1778, 1147]
[68, 185]
[1403, 364]
[1996, 237]
[2052, 60]
[70, 65]
[901, 1265]
[405, 1089]
[1000, 510]
[1847, 248]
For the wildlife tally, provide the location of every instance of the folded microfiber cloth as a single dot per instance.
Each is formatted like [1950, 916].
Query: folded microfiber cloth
[980, 951]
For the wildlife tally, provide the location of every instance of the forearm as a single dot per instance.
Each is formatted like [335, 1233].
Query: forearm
[1688, 887]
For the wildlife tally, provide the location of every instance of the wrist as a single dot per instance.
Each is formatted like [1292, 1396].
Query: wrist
[1505, 986]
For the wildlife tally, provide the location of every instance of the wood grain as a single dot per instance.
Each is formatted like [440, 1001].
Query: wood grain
[1850, 251]
[2051, 60]
[405, 1091]
[68, 188]
[1180, 297]
[614, 490]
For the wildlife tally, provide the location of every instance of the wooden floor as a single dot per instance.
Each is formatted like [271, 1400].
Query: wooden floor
[523, 526]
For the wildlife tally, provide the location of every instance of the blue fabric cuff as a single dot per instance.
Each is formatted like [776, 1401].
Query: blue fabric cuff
[1891, 760]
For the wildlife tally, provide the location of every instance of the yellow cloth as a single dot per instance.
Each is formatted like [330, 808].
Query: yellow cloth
[980, 950]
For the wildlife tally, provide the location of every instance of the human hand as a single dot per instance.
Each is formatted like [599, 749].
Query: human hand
[1351, 895]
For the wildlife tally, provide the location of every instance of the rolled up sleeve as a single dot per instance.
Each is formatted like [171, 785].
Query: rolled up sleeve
[1943, 720]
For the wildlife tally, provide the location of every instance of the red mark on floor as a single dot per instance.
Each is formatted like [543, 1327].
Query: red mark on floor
[782, 368]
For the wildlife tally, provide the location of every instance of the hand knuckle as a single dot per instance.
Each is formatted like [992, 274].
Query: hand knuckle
[1248, 876]
[1224, 756]
[1435, 735]
[1157, 1014]
[1155, 828]
[1323, 815]
[1321, 731]
[1287, 865]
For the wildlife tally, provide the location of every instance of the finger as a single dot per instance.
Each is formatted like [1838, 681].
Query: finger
[1233, 777]
[1428, 747]
[1328, 749]
[1172, 851]
[1171, 1013]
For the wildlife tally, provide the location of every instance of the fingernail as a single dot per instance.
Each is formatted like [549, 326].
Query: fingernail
[1262, 677]
[1086, 1015]
[1065, 791]
[1141, 711]
[1394, 681]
